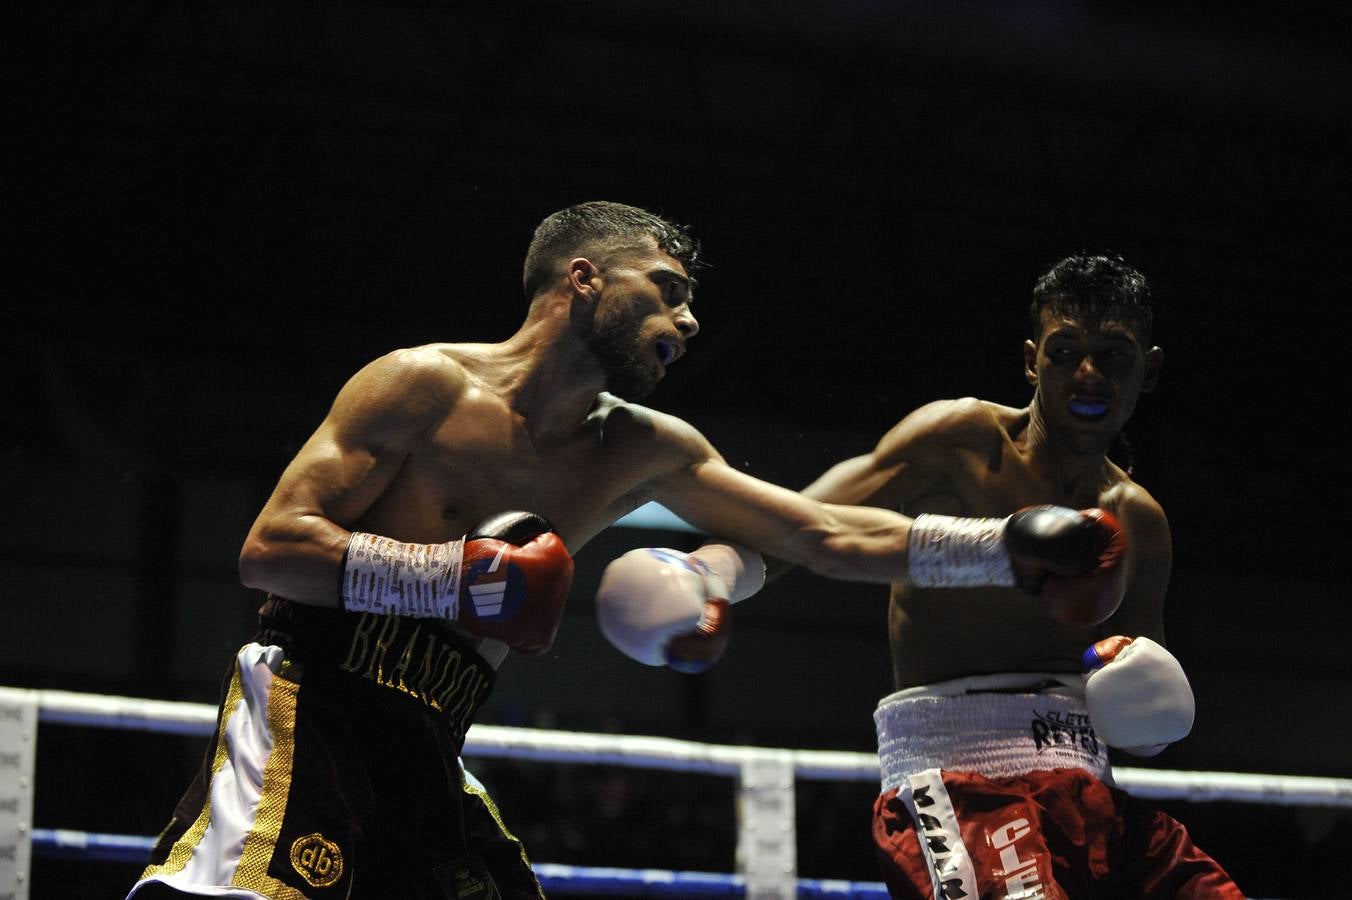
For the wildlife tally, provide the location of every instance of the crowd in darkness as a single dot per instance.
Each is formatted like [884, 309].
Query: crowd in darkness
[637, 818]
[606, 815]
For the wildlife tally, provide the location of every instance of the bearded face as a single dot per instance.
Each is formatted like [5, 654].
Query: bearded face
[626, 359]
[641, 320]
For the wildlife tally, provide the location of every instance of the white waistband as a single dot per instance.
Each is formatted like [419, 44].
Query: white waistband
[998, 726]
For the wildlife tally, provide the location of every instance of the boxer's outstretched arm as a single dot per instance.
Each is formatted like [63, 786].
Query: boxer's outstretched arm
[848, 542]
[296, 546]
[906, 463]
[1072, 558]
[854, 543]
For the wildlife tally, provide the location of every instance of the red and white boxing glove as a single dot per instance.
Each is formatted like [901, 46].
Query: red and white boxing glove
[506, 580]
[664, 607]
[1073, 558]
[1138, 696]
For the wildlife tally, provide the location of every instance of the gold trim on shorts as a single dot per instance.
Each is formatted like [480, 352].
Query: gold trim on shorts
[183, 848]
[261, 842]
[251, 870]
[470, 787]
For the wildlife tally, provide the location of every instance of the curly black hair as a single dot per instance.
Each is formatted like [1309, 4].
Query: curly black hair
[1095, 285]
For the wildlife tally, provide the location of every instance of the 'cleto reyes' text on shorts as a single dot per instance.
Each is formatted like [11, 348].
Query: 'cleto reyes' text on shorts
[993, 725]
[998, 787]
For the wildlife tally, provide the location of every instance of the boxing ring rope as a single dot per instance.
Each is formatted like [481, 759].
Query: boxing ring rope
[765, 780]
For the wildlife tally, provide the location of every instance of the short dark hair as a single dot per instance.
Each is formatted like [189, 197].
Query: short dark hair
[1095, 285]
[601, 226]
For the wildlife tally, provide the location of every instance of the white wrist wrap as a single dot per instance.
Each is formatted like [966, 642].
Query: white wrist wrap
[382, 575]
[947, 551]
[740, 571]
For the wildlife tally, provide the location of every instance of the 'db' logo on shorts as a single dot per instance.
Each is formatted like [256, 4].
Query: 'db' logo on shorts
[317, 859]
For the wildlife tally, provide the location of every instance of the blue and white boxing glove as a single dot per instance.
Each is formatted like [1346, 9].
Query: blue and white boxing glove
[663, 607]
[1138, 696]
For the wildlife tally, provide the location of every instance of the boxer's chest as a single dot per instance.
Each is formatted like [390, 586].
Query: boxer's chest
[480, 462]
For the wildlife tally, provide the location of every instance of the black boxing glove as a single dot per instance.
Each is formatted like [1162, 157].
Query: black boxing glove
[1073, 558]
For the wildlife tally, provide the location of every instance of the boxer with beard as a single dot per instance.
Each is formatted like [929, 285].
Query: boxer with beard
[400, 573]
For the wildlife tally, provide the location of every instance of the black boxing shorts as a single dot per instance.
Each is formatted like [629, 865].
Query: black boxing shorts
[335, 771]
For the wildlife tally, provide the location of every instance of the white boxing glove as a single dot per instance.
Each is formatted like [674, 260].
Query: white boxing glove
[663, 607]
[1138, 696]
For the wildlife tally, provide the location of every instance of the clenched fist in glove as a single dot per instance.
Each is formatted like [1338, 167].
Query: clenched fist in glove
[665, 607]
[1138, 697]
[507, 579]
[1073, 558]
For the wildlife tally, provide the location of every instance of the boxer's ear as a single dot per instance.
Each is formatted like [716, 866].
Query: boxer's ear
[584, 277]
[1030, 362]
[1154, 361]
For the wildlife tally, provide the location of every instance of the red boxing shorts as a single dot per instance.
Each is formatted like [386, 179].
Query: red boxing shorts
[997, 787]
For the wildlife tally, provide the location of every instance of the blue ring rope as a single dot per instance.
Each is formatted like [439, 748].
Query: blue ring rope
[590, 881]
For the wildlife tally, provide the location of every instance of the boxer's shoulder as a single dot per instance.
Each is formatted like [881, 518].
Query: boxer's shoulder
[404, 389]
[630, 428]
[964, 419]
[944, 425]
[429, 370]
[431, 358]
[619, 421]
[1137, 509]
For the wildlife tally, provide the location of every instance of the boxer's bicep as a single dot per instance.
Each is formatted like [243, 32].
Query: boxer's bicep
[859, 480]
[329, 481]
[909, 461]
[341, 470]
[1151, 563]
[366, 436]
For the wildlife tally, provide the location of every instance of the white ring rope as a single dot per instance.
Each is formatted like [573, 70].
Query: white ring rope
[765, 780]
[95, 710]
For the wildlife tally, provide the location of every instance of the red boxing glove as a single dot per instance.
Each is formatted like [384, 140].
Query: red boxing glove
[699, 649]
[514, 581]
[1072, 558]
[507, 580]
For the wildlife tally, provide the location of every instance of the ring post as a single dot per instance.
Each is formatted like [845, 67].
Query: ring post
[18, 745]
[767, 851]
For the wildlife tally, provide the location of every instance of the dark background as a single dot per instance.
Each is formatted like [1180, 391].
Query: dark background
[218, 213]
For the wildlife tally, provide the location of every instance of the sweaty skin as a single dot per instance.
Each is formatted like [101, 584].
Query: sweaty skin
[423, 443]
[968, 457]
